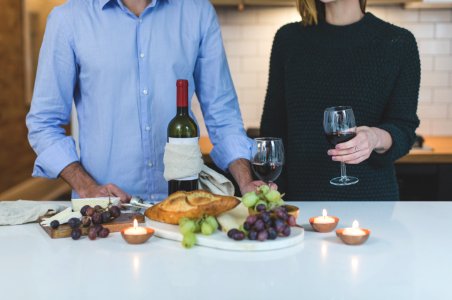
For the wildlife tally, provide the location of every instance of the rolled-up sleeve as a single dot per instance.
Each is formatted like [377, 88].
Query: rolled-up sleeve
[52, 98]
[217, 96]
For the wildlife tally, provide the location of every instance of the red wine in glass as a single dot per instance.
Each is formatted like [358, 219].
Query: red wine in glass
[335, 138]
[267, 158]
[268, 171]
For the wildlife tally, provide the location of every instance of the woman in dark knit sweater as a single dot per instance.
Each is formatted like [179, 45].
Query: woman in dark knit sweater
[339, 55]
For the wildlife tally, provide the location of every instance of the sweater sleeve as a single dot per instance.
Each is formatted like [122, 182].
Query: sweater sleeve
[400, 119]
[274, 121]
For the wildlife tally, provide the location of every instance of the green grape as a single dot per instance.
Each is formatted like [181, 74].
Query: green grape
[198, 225]
[212, 221]
[250, 199]
[280, 202]
[264, 189]
[183, 220]
[273, 196]
[206, 228]
[243, 229]
[187, 227]
[189, 240]
[272, 205]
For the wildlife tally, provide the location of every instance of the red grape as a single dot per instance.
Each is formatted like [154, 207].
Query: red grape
[90, 211]
[106, 216]
[104, 232]
[92, 233]
[76, 233]
[83, 210]
[115, 211]
[54, 224]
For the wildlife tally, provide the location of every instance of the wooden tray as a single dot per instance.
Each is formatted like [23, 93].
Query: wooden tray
[220, 240]
[123, 221]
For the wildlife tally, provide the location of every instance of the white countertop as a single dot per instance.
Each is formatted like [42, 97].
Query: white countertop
[408, 256]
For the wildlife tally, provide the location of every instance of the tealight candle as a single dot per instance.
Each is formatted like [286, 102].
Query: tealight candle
[136, 234]
[353, 235]
[135, 230]
[324, 219]
[324, 223]
[354, 231]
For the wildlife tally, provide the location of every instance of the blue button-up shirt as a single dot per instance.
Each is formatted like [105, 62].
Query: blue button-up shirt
[121, 72]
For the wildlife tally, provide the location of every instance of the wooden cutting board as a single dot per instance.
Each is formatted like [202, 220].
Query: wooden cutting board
[220, 240]
[125, 220]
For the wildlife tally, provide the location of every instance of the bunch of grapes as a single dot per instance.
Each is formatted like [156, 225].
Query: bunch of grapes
[188, 227]
[263, 197]
[92, 217]
[265, 225]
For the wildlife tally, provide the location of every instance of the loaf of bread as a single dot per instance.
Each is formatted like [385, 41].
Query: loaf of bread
[192, 205]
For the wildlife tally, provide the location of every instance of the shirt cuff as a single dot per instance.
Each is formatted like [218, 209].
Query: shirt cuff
[54, 159]
[231, 148]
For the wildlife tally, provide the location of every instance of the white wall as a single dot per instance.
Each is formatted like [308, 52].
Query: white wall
[248, 36]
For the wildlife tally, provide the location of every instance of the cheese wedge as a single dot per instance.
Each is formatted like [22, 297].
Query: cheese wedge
[233, 218]
[62, 217]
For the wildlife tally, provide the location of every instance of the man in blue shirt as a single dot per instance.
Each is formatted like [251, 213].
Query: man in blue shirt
[119, 60]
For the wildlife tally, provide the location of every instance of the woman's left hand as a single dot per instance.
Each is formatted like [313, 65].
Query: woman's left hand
[357, 149]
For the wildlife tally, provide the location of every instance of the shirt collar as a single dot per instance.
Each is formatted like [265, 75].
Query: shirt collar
[105, 2]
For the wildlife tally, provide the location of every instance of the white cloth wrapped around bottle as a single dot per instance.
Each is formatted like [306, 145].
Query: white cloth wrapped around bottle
[185, 160]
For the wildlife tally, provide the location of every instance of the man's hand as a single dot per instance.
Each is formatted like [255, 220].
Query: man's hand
[253, 185]
[76, 176]
[241, 171]
[360, 148]
[108, 190]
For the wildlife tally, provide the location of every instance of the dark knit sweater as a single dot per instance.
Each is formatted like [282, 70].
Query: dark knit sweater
[370, 65]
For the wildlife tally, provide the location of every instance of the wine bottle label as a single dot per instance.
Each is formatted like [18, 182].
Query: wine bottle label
[185, 141]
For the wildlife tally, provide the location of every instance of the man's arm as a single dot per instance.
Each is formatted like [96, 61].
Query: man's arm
[85, 186]
[51, 109]
[241, 171]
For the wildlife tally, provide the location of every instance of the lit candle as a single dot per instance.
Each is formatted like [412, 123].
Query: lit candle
[135, 230]
[324, 219]
[354, 230]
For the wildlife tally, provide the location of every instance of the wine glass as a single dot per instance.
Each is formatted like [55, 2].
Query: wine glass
[267, 158]
[340, 126]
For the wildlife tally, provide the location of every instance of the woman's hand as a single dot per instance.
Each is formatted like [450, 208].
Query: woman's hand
[360, 147]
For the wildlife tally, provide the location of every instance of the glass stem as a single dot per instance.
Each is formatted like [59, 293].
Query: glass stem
[343, 172]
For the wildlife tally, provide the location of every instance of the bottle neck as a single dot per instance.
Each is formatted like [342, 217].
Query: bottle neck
[182, 110]
[182, 97]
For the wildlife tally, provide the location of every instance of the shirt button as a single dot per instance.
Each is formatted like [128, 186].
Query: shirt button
[142, 55]
[150, 164]
[152, 197]
[145, 91]
[148, 128]
[140, 20]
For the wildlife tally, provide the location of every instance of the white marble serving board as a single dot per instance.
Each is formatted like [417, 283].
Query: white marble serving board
[220, 240]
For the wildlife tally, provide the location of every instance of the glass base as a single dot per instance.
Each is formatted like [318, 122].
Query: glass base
[346, 180]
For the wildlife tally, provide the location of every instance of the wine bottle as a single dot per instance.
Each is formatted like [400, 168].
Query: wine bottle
[182, 130]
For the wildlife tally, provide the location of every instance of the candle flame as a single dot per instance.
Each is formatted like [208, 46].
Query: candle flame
[324, 213]
[355, 224]
[135, 223]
